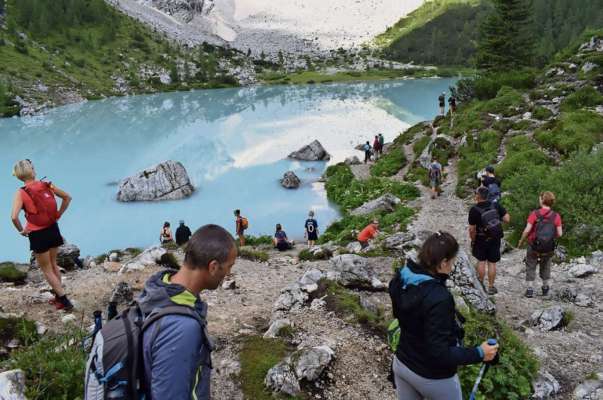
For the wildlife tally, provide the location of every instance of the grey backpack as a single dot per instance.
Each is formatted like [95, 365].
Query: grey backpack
[115, 366]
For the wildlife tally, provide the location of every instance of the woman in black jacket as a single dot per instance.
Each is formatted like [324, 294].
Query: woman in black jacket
[430, 348]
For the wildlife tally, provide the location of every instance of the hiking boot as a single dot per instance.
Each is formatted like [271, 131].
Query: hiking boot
[492, 290]
[529, 293]
[63, 304]
[545, 290]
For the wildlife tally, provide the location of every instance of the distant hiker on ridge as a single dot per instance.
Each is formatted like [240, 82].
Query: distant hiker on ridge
[241, 224]
[452, 105]
[166, 234]
[311, 229]
[543, 227]
[442, 103]
[377, 146]
[37, 199]
[367, 152]
[381, 142]
[183, 234]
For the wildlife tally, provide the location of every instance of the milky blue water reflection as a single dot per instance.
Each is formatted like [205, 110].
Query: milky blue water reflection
[232, 142]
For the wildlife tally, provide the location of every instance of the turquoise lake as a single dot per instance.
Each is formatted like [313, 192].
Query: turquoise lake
[233, 143]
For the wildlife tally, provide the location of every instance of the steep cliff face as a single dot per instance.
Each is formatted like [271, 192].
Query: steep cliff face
[293, 26]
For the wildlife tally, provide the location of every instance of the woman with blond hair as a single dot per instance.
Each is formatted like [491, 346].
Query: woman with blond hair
[37, 199]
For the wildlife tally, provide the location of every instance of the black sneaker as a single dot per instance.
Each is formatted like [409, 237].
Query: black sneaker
[65, 303]
[529, 293]
[545, 290]
[492, 290]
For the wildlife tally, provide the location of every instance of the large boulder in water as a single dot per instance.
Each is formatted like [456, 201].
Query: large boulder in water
[290, 180]
[311, 152]
[165, 181]
[387, 202]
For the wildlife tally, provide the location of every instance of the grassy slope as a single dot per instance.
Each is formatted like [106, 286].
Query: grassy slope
[84, 59]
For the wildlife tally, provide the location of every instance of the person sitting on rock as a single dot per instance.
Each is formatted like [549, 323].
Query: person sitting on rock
[166, 234]
[542, 229]
[183, 234]
[281, 242]
[429, 350]
[311, 228]
[37, 199]
[368, 233]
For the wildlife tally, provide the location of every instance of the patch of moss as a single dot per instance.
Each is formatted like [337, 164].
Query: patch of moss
[257, 356]
[307, 255]
[420, 145]
[253, 255]
[169, 260]
[251, 240]
[10, 273]
[573, 131]
[542, 113]
[584, 97]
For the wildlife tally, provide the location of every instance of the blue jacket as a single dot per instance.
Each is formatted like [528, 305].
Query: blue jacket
[176, 348]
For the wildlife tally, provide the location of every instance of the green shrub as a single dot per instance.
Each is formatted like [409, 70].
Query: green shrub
[584, 97]
[573, 131]
[133, 251]
[442, 150]
[418, 173]
[100, 259]
[53, 367]
[349, 193]
[542, 113]
[420, 145]
[10, 273]
[577, 186]
[522, 154]
[512, 378]
[169, 260]
[307, 255]
[346, 304]
[251, 240]
[170, 246]
[257, 356]
[487, 86]
[21, 329]
[253, 255]
[390, 163]
[507, 102]
[475, 155]
[522, 125]
[408, 135]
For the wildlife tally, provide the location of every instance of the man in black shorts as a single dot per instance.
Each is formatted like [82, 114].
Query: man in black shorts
[485, 231]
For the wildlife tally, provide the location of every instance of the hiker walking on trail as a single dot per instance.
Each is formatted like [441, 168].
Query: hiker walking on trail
[377, 146]
[442, 103]
[435, 177]
[543, 227]
[367, 152]
[166, 329]
[452, 104]
[183, 234]
[381, 142]
[486, 231]
[281, 241]
[429, 350]
[311, 229]
[37, 198]
[368, 233]
[241, 224]
[492, 183]
[166, 234]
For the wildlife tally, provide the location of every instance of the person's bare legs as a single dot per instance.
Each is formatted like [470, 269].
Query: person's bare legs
[242, 239]
[53, 280]
[481, 271]
[491, 273]
[53, 261]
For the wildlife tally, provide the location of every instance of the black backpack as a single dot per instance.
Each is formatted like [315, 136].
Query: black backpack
[491, 225]
[546, 232]
[115, 367]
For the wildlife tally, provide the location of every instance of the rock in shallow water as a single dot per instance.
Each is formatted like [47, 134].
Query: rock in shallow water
[165, 181]
[290, 180]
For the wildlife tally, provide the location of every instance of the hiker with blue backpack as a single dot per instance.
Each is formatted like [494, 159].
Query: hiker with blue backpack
[492, 183]
[486, 232]
[435, 177]
[542, 229]
[430, 346]
[159, 348]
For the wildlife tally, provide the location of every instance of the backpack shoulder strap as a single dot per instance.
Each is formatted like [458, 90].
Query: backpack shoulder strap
[172, 310]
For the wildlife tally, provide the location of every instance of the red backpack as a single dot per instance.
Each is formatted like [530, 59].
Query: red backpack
[39, 204]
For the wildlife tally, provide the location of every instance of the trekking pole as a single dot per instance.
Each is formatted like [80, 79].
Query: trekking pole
[483, 371]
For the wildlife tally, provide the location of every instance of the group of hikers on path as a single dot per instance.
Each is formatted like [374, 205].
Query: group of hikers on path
[376, 150]
[168, 321]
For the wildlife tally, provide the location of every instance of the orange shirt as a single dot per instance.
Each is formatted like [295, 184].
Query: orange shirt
[367, 233]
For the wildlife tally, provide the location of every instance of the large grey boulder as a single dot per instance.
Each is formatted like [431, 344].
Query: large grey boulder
[548, 318]
[354, 160]
[276, 327]
[582, 269]
[12, 385]
[399, 242]
[464, 278]
[149, 257]
[306, 364]
[591, 389]
[184, 10]
[594, 44]
[351, 270]
[291, 297]
[387, 202]
[290, 180]
[311, 152]
[67, 257]
[281, 379]
[165, 181]
[545, 386]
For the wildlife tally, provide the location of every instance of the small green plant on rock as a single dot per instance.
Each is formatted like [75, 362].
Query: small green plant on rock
[10, 273]
[253, 255]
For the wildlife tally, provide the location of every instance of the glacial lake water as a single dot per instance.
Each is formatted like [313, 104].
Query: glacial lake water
[233, 143]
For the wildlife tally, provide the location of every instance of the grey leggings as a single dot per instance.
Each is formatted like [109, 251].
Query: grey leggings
[410, 386]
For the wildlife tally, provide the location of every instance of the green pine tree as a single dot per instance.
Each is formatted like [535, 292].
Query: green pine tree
[506, 41]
